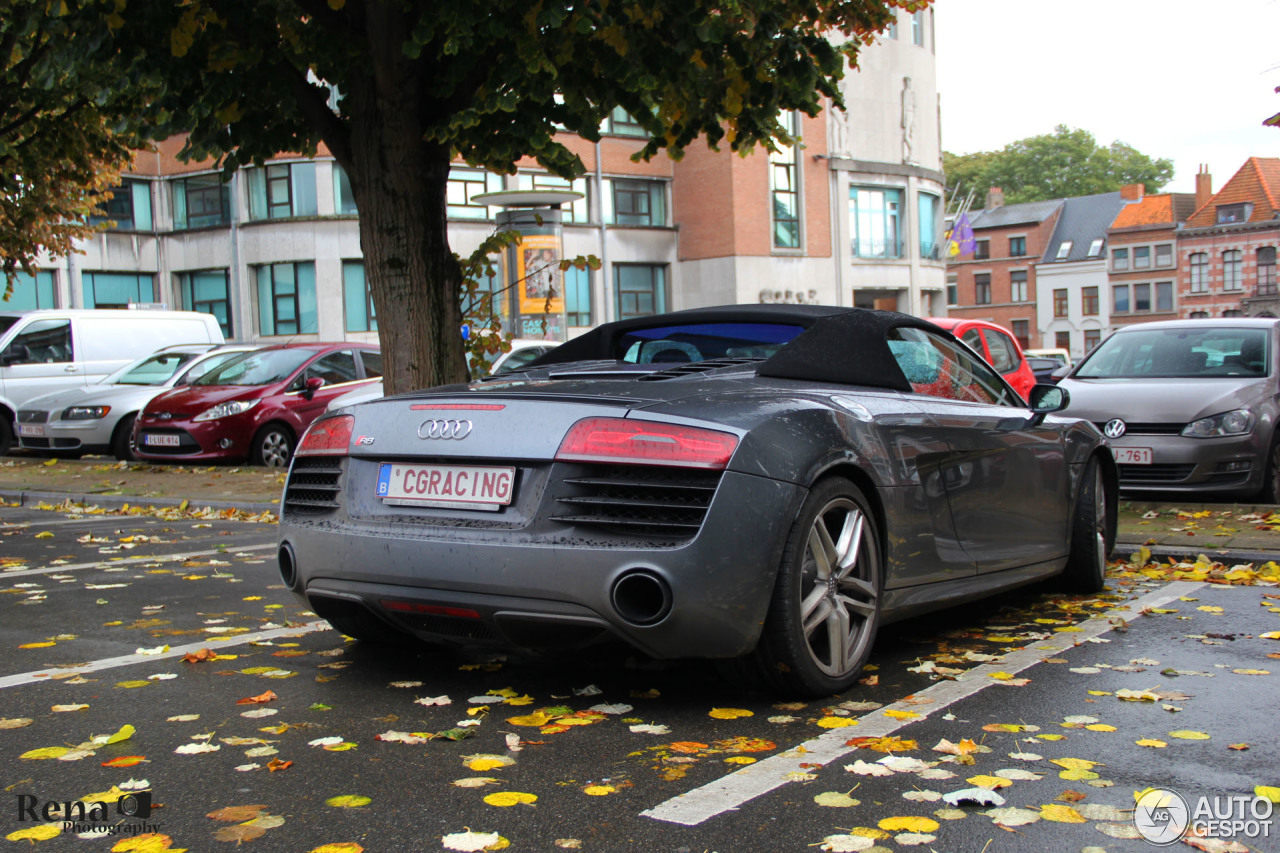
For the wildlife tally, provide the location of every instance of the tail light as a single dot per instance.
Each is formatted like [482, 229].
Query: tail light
[327, 437]
[646, 443]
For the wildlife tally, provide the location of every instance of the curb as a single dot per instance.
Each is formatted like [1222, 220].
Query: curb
[1122, 550]
[30, 498]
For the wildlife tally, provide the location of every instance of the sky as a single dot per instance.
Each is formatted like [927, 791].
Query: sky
[1187, 80]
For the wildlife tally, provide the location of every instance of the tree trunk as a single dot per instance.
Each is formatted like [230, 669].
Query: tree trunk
[399, 184]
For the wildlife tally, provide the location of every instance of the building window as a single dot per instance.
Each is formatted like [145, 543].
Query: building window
[466, 184]
[1164, 296]
[1092, 337]
[1018, 286]
[31, 293]
[1089, 301]
[1095, 248]
[208, 291]
[981, 250]
[1064, 249]
[917, 28]
[287, 299]
[982, 289]
[1267, 271]
[1199, 263]
[1119, 260]
[1198, 315]
[641, 289]
[636, 202]
[1142, 297]
[281, 190]
[1062, 340]
[1022, 331]
[128, 206]
[620, 123]
[1061, 305]
[1164, 255]
[1234, 212]
[891, 31]
[577, 296]
[1141, 257]
[344, 201]
[1017, 247]
[928, 207]
[1120, 299]
[576, 213]
[356, 299]
[784, 169]
[117, 289]
[953, 289]
[875, 213]
[1232, 312]
[200, 202]
[1232, 270]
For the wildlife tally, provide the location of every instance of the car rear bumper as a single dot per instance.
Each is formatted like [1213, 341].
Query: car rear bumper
[547, 583]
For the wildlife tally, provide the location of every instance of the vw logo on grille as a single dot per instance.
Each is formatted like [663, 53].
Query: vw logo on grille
[442, 428]
[1114, 428]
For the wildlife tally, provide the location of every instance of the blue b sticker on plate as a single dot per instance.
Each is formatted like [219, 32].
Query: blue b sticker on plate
[384, 479]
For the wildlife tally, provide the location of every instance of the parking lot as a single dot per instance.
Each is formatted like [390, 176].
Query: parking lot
[250, 721]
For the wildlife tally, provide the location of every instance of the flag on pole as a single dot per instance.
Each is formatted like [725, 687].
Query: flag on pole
[960, 240]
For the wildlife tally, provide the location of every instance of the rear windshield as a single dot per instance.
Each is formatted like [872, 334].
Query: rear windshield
[703, 341]
[1180, 353]
[264, 367]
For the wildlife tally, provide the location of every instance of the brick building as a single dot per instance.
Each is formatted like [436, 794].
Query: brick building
[1142, 259]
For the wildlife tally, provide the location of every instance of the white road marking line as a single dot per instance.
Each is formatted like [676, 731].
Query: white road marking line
[729, 792]
[129, 561]
[47, 675]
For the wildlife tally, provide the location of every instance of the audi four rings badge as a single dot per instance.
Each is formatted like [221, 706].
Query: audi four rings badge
[1114, 428]
[444, 428]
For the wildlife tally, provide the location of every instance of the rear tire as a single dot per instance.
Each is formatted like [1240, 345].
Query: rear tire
[272, 446]
[825, 610]
[1270, 492]
[6, 434]
[1091, 536]
[122, 439]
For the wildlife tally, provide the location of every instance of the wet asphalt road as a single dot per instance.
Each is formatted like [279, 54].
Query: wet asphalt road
[621, 754]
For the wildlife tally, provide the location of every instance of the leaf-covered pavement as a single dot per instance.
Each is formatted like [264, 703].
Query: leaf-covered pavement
[299, 742]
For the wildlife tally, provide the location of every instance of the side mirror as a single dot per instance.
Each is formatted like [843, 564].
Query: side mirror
[314, 384]
[1045, 400]
[1061, 372]
[15, 354]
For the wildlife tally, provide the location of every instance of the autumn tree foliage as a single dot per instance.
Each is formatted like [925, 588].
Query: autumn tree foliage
[62, 142]
[1063, 164]
[417, 84]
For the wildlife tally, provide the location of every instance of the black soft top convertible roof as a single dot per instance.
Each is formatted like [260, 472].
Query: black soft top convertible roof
[841, 345]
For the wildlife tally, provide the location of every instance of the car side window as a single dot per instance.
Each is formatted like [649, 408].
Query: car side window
[938, 368]
[973, 339]
[334, 368]
[45, 341]
[372, 360]
[1004, 357]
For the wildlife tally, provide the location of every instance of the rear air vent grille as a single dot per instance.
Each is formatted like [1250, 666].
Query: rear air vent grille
[313, 484]
[639, 499]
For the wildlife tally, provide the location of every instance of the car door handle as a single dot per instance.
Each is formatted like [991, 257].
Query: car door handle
[70, 368]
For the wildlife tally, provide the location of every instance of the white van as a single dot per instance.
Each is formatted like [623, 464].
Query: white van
[48, 350]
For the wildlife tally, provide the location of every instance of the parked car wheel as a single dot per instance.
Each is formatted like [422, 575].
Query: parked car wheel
[122, 439]
[825, 610]
[272, 446]
[1270, 492]
[1091, 537]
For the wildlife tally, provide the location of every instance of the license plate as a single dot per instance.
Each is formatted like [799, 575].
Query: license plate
[31, 430]
[154, 440]
[454, 486]
[1132, 455]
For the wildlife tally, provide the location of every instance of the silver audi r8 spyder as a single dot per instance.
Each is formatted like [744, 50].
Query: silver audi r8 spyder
[762, 484]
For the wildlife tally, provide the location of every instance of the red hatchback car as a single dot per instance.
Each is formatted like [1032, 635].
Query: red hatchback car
[253, 407]
[997, 346]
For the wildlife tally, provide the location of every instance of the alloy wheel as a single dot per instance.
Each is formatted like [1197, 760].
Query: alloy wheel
[839, 588]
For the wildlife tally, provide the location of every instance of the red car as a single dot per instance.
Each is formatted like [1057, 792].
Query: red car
[253, 407]
[997, 346]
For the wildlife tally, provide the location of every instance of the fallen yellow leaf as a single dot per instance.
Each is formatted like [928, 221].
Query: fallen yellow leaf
[908, 824]
[510, 798]
[1061, 814]
[729, 713]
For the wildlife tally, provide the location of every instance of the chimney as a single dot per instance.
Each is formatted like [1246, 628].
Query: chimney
[995, 198]
[1204, 186]
[1132, 192]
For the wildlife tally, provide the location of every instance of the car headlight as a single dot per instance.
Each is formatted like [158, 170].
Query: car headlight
[225, 410]
[1238, 422]
[85, 413]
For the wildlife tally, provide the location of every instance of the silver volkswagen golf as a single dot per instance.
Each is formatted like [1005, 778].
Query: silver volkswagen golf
[1187, 405]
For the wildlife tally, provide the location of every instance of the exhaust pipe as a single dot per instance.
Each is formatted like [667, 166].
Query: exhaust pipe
[288, 561]
[641, 597]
